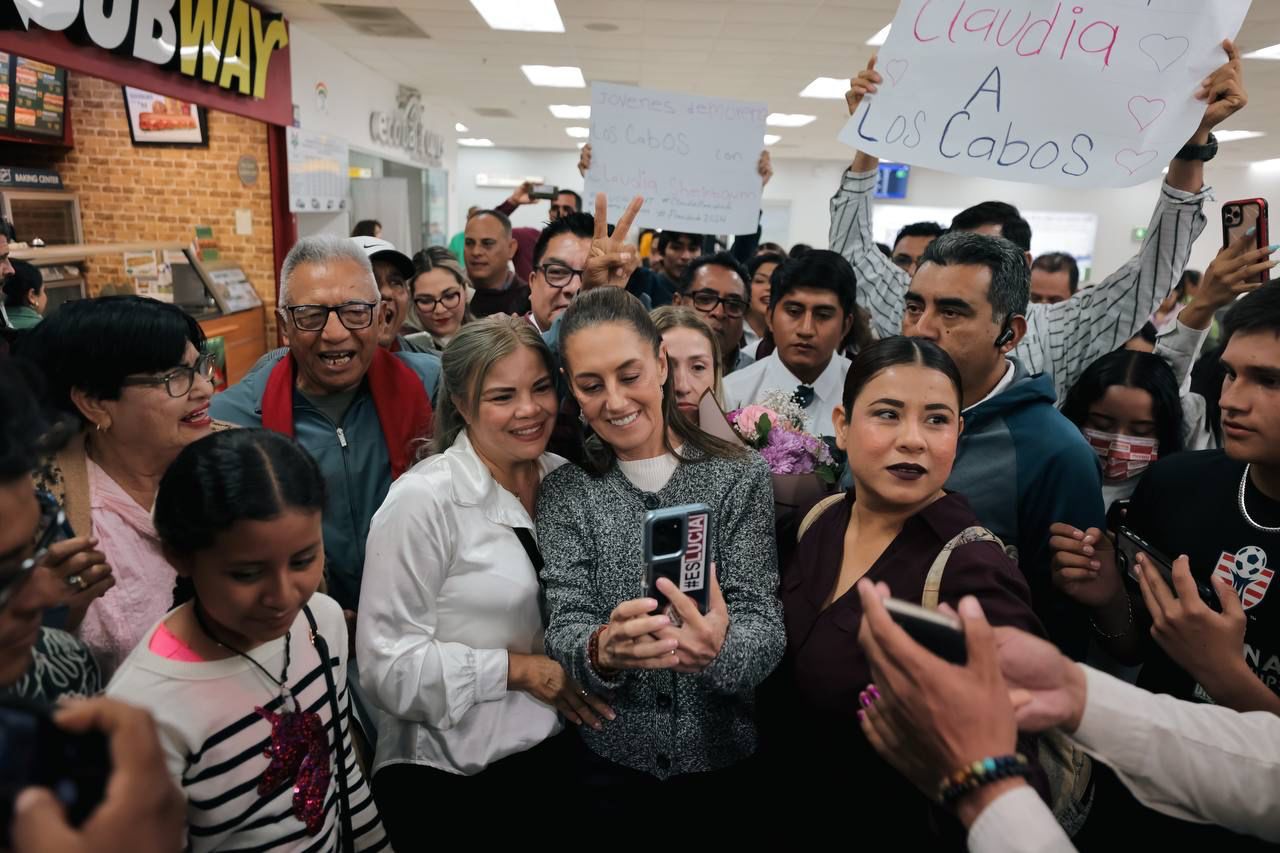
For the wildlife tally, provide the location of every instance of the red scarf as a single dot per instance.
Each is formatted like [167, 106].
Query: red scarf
[404, 409]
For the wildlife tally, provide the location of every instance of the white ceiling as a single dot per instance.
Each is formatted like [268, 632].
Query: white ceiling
[766, 50]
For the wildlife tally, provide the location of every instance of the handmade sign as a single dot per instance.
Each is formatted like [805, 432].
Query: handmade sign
[1097, 93]
[692, 158]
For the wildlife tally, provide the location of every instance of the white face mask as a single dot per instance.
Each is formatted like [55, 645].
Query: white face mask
[1123, 456]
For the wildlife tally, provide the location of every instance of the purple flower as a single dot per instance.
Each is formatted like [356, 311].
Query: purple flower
[788, 452]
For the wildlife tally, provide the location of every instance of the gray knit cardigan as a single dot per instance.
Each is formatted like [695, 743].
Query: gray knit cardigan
[589, 531]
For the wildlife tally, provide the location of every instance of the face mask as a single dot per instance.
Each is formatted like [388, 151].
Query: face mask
[1123, 456]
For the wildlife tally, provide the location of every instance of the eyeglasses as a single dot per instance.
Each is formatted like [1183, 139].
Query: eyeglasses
[707, 300]
[178, 382]
[448, 300]
[559, 275]
[313, 318]
[53, 526]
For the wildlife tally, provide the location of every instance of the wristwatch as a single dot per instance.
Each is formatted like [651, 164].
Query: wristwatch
[1203, 153]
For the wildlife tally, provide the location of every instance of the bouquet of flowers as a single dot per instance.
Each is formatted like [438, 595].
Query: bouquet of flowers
[775, 427]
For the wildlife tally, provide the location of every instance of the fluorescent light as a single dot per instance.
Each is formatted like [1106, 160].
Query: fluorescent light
[826, 87]
[770, 138]
[1266, 165]
[468, 142]
[1272, 52]
[789, 119]
[530, 16]
[570, 111]
[1236, 135]
[460, 127]
[562, 76]
[578, 132]
[880, 37]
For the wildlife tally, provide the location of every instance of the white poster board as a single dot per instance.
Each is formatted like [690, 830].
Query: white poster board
[1051, 230]
[1080, 95]
[318, 172]
[692, 158]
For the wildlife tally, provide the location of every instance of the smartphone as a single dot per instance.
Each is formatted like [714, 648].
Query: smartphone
[1129, 544]
[677, 546]
[34, 751]
[940, 633]
[1241, 215]
[544, 191]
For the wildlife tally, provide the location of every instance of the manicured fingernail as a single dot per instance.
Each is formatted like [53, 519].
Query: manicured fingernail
[612, 716]
[1088, 550]
[1251, 231]
[1094, 564]
[597, 727]
[864, 700]
[862, 716]
[874, 691]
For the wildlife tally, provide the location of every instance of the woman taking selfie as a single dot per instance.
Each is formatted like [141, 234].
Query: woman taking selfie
[450, 631]
[256, 658]
[134, 373]
[899, 421]
[694, 356]
[683, 687]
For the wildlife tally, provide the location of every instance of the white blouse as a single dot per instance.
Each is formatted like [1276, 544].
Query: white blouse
[447, 591]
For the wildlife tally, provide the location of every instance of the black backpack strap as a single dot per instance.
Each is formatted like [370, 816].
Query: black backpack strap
[525, 535]
[344, 803]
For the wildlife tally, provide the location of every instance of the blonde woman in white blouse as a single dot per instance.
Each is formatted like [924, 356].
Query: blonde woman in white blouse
[449, 639]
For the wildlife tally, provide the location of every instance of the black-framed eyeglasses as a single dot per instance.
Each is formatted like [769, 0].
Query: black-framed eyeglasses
[178, 382]
[559, 275]
[53, 526]
[448, 301]
[707, 300]
[313, 318]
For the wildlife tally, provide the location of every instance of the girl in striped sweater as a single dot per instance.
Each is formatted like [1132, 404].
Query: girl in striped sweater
[245, 679]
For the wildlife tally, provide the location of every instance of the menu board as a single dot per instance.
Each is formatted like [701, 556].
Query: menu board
[4, 90]
[39, 97]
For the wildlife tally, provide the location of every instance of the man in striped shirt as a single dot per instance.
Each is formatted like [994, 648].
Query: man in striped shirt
[1062, 339]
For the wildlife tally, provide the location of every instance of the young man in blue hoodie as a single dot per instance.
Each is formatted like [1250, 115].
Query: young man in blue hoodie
[1021, 464]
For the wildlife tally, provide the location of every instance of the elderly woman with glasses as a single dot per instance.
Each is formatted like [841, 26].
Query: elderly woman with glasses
[441, 294]
[134, 373]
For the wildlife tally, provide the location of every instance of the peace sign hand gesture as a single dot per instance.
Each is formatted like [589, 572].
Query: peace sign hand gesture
[611, 260]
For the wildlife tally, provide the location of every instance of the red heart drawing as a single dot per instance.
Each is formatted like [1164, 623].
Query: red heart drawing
[897, 69]
[1133, 161]
[1146, 110]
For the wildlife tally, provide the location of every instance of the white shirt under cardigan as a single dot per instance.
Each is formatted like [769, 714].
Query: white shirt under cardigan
[447, 591]
[1196, 762]
[213, 739]
[750, 385]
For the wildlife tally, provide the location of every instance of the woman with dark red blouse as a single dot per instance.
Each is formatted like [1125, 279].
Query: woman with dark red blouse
[899, 423]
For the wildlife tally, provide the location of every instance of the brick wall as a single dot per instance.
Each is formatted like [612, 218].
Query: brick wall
[130, 194]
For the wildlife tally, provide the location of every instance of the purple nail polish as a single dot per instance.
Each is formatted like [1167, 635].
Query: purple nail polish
[864, 700]
[862, 716]
[874, 691]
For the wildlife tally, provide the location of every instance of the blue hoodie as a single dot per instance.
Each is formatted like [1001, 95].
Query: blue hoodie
[1023, 466]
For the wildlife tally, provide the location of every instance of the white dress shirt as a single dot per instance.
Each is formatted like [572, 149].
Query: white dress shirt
[448, 590]
[1201, 763]
[750, 385]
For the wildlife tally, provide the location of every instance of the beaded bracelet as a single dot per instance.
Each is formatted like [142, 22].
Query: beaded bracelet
[981, 773]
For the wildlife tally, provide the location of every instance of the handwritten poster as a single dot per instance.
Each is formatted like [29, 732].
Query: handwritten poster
[1096, 94]
[692, 158]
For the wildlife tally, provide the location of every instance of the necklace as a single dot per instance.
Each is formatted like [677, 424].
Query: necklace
[299, 748]
[1245, 512]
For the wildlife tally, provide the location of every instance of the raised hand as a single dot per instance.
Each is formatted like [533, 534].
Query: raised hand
[764, 168]
[866, 83]
[1223, 91]
[1233, 272]
[629, 640]
[522, 194]
[584, 160]
[611, 260]
[700, 636]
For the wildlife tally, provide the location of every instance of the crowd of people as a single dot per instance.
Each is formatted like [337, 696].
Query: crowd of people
[393, 577]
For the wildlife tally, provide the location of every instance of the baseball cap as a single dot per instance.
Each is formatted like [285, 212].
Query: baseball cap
[378, 249]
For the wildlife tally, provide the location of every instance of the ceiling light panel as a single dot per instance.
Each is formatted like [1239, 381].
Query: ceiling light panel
[529, 16]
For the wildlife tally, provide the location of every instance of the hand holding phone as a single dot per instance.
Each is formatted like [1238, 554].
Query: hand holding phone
[1129, 545]
[1241, 215]
[544, 192]
[677, 546]
[940, 633]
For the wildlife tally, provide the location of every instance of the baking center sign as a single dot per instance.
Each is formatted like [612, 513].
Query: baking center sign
[228, 43]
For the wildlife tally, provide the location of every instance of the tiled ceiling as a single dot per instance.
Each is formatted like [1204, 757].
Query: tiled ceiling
[765, 50]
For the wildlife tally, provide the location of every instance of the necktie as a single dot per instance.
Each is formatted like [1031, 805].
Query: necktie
[803, 395]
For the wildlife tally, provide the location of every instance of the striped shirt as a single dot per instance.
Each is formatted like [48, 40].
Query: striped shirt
[214, 740]
[1062, 339]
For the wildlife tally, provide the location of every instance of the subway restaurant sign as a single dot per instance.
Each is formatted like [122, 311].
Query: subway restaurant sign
[227, 43]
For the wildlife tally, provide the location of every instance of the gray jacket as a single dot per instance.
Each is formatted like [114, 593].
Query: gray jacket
[589, 530]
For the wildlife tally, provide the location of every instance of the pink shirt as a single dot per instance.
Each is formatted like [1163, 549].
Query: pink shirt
[143, 593]
[166, 644]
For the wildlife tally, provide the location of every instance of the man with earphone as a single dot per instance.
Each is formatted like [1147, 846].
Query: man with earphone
[1021, 464]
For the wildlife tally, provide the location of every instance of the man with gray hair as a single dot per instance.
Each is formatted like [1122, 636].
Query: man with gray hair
[1020, 463]
[359, 410]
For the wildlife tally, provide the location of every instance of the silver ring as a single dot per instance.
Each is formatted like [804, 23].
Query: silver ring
[583, 692]
[76, 581]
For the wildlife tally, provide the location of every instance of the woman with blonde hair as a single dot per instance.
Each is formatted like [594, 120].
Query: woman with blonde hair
[441, 295]
[694, 356]
[450, 636]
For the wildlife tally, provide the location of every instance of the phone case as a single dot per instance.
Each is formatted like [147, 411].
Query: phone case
[1242, 214]
[677, 546]
[1128, 544]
